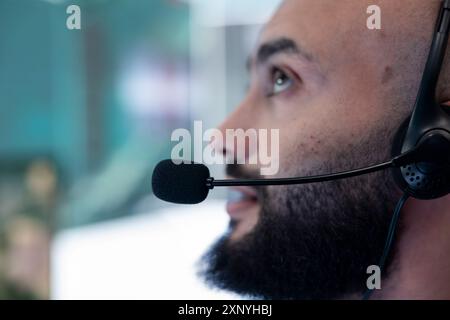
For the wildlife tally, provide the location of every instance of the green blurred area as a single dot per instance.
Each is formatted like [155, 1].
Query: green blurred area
[70, 153]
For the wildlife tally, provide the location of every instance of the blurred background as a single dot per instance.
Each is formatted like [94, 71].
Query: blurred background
[85, 115]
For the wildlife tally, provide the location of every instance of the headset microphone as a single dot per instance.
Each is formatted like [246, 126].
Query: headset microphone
[189, 183]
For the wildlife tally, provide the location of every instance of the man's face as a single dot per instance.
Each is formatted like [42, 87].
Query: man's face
[327, 83]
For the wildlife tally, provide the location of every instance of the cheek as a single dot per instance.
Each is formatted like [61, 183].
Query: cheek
[303, 146]
[314, 131]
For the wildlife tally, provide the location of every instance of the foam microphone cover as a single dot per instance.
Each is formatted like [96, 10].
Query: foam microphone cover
[183, 183]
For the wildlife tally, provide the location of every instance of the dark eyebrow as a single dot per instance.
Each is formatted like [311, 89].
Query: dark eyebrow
[277, 46]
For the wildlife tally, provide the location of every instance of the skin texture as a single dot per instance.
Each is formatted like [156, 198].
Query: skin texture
[352, 87]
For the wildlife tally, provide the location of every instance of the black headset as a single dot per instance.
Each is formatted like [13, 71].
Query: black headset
[429, 127]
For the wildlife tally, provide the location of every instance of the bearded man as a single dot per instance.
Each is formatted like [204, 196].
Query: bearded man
[338, 92]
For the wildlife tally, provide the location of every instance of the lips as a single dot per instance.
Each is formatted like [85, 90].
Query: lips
[240, 200]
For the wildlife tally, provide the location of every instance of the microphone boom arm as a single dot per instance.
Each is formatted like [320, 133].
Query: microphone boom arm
[401, 160]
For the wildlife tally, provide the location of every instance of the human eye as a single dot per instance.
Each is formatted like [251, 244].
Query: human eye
[279, 82]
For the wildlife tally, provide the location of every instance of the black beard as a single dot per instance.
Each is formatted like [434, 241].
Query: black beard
[311, 241]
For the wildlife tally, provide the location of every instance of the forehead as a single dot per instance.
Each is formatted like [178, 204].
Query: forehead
[321, 27]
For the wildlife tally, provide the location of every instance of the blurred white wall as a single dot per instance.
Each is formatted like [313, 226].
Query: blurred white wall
[143, 257]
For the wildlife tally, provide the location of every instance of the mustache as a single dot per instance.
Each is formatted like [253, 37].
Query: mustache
[238, 171]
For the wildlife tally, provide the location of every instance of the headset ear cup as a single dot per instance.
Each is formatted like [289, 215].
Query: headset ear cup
[429, 176]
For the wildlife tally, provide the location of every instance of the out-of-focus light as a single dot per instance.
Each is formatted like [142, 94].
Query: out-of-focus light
[150, 87]
[233, 12]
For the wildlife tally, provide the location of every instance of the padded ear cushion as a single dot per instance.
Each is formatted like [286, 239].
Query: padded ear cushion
[428, 178]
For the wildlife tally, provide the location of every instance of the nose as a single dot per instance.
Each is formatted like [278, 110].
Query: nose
[238, 122]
